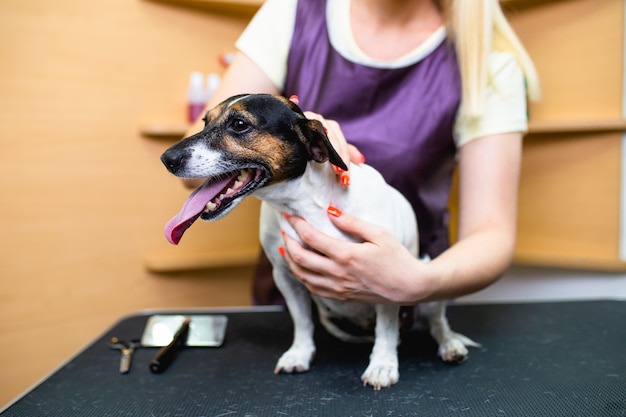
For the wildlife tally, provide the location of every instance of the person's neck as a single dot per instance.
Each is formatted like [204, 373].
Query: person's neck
[388, 29]
[399, 12]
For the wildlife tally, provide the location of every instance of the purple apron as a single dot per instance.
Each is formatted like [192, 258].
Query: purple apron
[401, 119]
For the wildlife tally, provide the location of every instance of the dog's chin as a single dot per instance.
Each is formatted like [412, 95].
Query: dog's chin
[234, 193]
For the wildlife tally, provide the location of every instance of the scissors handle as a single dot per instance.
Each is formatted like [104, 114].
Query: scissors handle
[166, 354]
[127, 349]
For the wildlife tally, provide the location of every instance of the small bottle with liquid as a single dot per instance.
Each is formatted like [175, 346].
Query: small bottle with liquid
[196, 96]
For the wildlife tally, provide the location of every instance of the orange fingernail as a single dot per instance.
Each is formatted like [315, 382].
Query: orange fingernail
[294, 99]
[345, 180]
[337, 169]
[286, 216]
[334, 211]
[362, 159]
[281, 250]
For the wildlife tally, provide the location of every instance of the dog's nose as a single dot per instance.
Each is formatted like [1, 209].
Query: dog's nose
[174, 159]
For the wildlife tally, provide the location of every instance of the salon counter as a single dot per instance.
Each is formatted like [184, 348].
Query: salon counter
[540, 359]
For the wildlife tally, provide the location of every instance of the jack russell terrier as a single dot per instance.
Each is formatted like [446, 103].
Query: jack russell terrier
[263, 145]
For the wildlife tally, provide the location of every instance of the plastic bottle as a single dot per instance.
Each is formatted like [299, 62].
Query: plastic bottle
[196, 96]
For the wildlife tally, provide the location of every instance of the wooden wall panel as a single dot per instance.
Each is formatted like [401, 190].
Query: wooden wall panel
[83, 194]
[569, 201]
[577, 46]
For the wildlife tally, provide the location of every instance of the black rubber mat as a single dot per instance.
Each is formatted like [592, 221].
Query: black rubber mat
[547, 359]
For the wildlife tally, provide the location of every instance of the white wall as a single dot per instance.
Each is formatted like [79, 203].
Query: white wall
[521, 284]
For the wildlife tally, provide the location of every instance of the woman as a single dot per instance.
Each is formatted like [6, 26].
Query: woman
[417, 86]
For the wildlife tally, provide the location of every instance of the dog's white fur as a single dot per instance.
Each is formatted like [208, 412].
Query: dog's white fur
[368, 197]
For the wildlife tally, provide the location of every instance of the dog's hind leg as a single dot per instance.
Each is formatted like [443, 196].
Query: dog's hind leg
[383, 367]
[452, 345]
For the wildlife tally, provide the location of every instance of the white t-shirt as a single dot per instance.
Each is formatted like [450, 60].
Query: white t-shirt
[267, 39]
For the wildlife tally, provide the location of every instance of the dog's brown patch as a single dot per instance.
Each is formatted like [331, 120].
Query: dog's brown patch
[256, 145]
[263, 148]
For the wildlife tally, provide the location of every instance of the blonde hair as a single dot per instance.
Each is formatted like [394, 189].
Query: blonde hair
[478, 27]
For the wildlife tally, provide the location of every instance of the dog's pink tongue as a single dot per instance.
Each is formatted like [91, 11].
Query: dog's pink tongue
[193, 207]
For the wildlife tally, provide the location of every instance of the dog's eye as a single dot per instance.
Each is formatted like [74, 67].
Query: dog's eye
[239, 126]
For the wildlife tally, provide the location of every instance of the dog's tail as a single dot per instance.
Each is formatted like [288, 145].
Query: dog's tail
[354, 334]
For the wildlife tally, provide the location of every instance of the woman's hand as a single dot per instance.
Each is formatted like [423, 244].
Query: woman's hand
[378, 270]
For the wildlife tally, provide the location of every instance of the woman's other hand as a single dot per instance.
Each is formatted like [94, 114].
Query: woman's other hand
[378, 270]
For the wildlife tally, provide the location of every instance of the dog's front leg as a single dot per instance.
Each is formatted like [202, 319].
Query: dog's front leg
[299, 356]
[383, 367]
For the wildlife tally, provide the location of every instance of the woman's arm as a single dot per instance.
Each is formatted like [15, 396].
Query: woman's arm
[380, 270]
[489, 170]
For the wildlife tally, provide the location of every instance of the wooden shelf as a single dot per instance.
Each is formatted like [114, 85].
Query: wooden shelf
[577, 126]
[551, 261]
[177, 130]
[517, 4]
[242, 7]
[166, 131]
[253, 5]
[172, 260]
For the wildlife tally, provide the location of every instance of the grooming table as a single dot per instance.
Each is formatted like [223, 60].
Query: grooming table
[540, 359]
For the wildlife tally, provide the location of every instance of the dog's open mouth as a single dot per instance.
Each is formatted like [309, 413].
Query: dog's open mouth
[213, 198]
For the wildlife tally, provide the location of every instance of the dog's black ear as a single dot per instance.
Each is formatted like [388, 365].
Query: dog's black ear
[320, 149]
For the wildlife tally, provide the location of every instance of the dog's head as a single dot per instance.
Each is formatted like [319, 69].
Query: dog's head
[248, 142]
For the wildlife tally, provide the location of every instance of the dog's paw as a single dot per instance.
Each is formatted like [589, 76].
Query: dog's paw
[380, 375]
[454, 350]
[295, 360]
